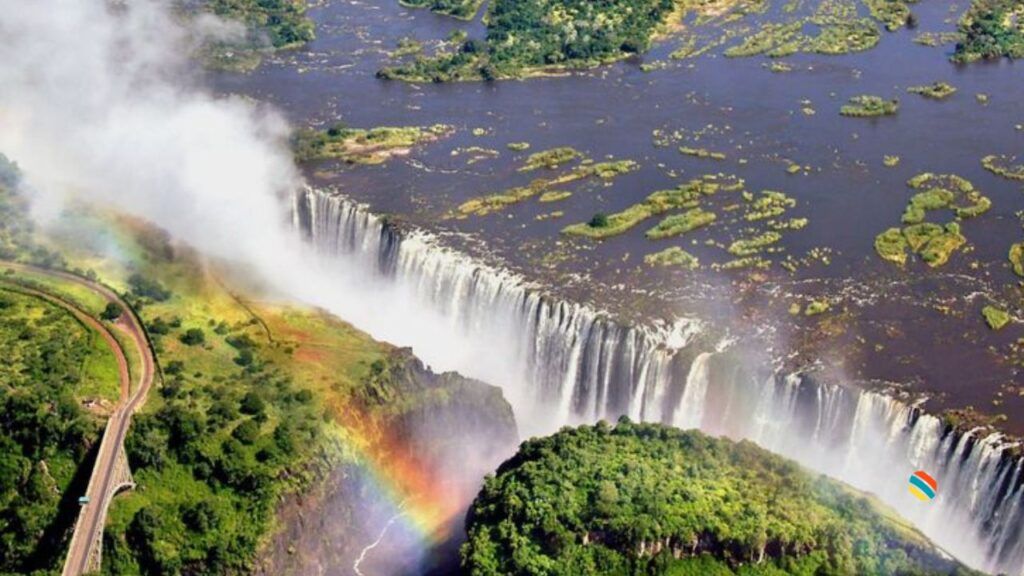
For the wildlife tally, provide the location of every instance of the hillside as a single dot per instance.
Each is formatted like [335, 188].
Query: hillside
[648, 499]
[258, 404]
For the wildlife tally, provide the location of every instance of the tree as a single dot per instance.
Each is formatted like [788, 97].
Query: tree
[247, 432]
[252, 404]
[600, 220]
[193, 337]
[144, 287]
[112, 312]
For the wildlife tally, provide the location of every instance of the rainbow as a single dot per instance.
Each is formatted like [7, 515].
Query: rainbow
[923, 486]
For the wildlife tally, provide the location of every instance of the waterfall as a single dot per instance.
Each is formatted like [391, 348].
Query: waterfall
[569, 363]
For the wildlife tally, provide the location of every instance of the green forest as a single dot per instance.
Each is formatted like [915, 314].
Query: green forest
[649, 499]
[991, 29]
[45, 434]
[283, 21]
[528, 35]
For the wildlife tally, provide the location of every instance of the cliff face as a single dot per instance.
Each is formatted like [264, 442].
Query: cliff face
[445, 430]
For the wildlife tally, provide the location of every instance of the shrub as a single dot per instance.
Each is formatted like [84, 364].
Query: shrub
[193, 337]
[112, 312]
[600, 220]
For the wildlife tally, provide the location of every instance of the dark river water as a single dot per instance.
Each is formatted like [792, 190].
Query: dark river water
[916, 327]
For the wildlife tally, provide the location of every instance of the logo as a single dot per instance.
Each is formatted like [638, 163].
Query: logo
[923, 486]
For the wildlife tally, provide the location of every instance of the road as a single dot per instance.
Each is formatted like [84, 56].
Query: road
[91, 518]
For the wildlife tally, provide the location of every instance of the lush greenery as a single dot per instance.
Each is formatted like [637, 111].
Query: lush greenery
[531, 35]
[45, 433]
[363, 146]
[648, 499]
[991, 29]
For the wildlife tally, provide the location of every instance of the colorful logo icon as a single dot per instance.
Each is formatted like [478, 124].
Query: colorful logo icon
[923, 486]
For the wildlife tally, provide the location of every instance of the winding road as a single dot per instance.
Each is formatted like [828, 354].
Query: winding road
[110, 463]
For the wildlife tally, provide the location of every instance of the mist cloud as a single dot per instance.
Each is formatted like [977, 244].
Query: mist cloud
[97, 102]
[100, 102]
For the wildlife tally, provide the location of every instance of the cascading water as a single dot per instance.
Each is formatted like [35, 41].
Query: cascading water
[570, 363]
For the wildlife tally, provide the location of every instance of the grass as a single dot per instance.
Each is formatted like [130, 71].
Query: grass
[674, 257]
[936, 90]
[867, 106]
[96, 376]
[518, 146]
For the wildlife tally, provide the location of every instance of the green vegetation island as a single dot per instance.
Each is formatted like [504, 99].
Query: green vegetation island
[363, 146]
[650, 499]
[526, 37]
[270, 25]
[991, 29]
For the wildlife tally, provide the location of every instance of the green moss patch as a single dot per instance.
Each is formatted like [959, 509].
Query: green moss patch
[866, 106]
[674, 256]
[1005, 166]
[1017, 258]
[933, 242]
[995, 318]
[936, 90]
